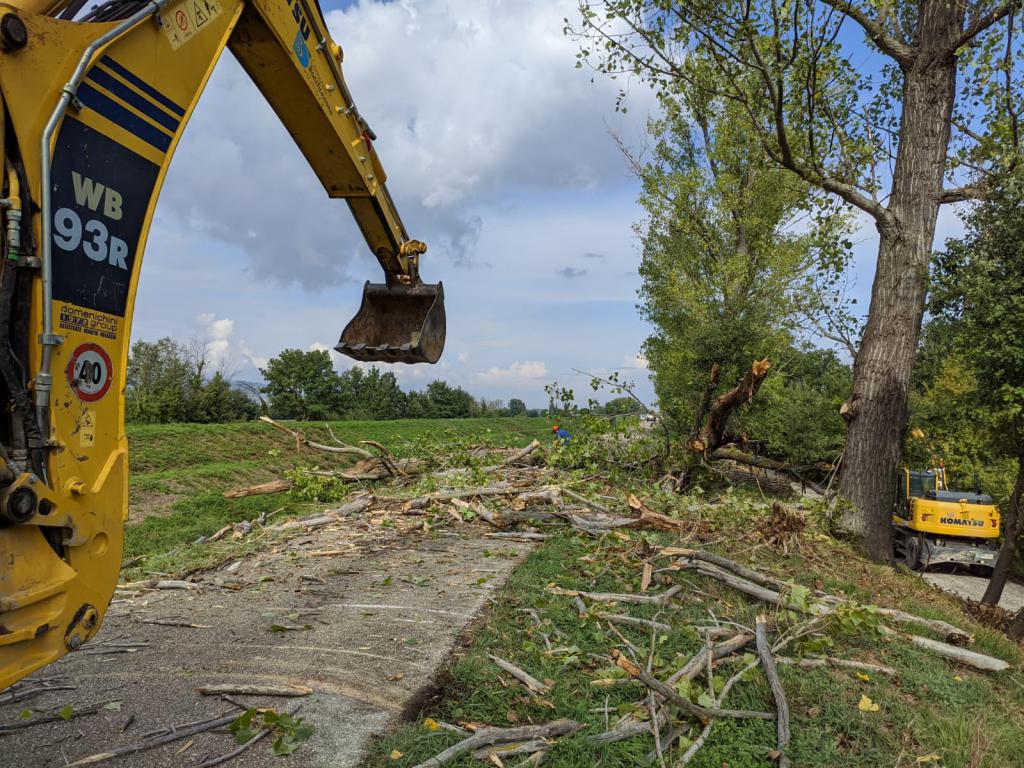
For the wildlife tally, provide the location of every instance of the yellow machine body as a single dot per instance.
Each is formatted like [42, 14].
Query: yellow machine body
[935, 524]
[128, 86]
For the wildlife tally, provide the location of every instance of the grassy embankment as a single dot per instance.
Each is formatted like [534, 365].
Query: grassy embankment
[933, 713]
[179, 473]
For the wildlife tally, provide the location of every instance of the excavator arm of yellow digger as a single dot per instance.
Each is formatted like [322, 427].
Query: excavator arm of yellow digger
[92, 106]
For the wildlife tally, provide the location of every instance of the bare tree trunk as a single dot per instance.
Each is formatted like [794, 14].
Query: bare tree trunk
[877, 409]
[1011, 530]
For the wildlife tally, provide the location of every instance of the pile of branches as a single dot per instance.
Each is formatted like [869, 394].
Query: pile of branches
[664, 713]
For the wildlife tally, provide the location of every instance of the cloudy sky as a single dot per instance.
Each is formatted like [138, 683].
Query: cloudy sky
[500, 156]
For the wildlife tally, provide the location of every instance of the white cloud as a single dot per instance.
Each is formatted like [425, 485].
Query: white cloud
[516, 374]
[484, 98]
[223, 354]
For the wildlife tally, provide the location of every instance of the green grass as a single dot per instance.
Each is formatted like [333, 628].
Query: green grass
[179, 472]
[969, 719]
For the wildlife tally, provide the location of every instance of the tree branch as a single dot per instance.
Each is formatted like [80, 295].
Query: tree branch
[979, 24]
[886, 43]
[960, 194]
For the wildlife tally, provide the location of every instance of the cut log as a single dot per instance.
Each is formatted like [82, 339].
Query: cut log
[764, 652]
[274, 486]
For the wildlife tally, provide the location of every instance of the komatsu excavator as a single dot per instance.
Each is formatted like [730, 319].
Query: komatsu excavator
[93, 102]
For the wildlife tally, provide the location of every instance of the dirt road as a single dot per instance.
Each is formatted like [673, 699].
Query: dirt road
[367, 631]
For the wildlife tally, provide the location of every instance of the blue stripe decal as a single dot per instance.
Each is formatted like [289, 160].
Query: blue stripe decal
[142, 85]
[126, 94]
[131, 122]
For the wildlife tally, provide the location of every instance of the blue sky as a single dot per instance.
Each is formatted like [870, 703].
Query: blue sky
[500, 157]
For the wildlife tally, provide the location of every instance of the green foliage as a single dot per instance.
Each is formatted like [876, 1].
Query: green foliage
[727, 280]
[288, 730]
[795, 416]
[516, 407]
[968, 398]
[167, 382]
[302, 385]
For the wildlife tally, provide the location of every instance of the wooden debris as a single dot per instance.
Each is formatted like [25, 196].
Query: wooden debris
[617, 618]
[175, 623]
[53, 717]
[512, 749]
[254, 689]
[518, 536]
[274, 486]
[485, 737]
[156, 739]
[518, 455]
[814, 662]
[953, 653]
[263, 732]
[534, 685]
[615, 597]
[422, 502]
[301, 440]
[764, 652]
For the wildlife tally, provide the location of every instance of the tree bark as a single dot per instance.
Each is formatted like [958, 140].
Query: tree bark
[712, 434]
[1011, 530]
[877, 409]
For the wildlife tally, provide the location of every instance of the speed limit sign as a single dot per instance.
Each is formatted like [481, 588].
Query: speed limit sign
[89, 372]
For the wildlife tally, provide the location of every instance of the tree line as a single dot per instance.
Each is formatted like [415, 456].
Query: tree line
[170, 381]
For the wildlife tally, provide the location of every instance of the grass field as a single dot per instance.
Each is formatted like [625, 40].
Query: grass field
[179, 473]
[933, 714]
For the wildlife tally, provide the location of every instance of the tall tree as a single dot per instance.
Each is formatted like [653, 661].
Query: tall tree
[301, 385]
[979, 288]
[729, 245]
[895, 134]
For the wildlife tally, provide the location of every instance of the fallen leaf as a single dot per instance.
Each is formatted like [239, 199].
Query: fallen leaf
[66, 712]
[632, 669]
[867, 705]
[495, 760]
[958, 678]
[396, 755]
[863, 677]
[813, 711]
[932, 758]
[394, 678]
[431, 724]
[512, 717]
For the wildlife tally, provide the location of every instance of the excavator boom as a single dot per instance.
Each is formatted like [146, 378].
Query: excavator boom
[93, 104]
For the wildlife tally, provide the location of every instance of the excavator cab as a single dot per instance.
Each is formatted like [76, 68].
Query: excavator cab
[397, 324]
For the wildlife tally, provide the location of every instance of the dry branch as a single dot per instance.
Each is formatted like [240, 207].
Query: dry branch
[615, 597]
[518, 455]
[811, 662]
[274, 486]
[764, 652]
[533, 684]
[485, 737]
[422, 502]
[683, 703]
[245, 689]
[158, 738]
[616, 618]
[302, 440]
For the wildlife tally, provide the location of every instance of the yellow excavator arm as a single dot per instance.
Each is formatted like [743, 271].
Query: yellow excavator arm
[92, 106]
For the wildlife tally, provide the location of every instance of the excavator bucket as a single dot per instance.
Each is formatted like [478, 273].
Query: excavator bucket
[397, 324]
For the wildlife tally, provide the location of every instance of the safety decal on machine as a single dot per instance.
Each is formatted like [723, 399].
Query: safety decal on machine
[87, 429]
[182, 21]
[89, 372]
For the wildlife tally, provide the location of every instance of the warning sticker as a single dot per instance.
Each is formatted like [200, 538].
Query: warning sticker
[183, 20]
[89, 372]
[87, 429]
